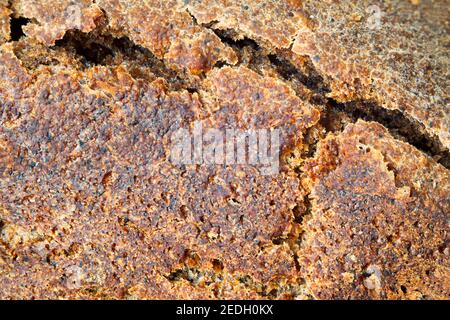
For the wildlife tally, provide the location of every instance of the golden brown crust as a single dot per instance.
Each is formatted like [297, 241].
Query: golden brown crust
[90, 200]
[379, 220]
[92, 208]
[5, 28]
[169, 32]
[401, 62]
[54, 18]
[273, 22]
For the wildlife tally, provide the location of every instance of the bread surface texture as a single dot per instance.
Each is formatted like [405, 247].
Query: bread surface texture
[92, 205]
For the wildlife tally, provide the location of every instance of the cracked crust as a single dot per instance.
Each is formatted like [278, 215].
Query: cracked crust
[379, 221]
[402, 64]
[51, 19]
[91, 206]
[160, 26]
[273, 22]
[169, 32]
[247, 100]
[86, 176]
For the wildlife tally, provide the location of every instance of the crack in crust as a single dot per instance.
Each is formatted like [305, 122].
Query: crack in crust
[379, 221]
[84, 141]
[400, 61]
[97, 141]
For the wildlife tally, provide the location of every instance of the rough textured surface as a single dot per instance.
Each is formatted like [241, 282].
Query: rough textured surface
[250, 101]
[90, 200]
[91, 207]
[161, 26]
[169, 32]
[53, 18]
[273, 22]
[5, 29]
[379, 222]
[402, 64]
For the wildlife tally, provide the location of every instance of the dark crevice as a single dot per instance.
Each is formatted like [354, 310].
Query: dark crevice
[310, 79]
[227, 36]
[399, 125]
[250, 53]
[255, 57]
[194, 19]
[16, 27]
[301, 211]
[90, 52]
[220, 64]
[96, 48]
[230, 38]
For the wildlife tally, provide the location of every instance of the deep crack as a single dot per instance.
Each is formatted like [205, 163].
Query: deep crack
[16, 27]
[310, 79]
[96, 48]
[399, 125]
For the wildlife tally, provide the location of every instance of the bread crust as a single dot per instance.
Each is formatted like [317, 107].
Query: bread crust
[399, 62]
[91, 207]
[5, 29]
[379, 221]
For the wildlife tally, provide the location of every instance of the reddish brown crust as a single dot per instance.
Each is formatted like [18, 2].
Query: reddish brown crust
[91, 207]
[273, 22]
[169, 32]
[161, 26]
[5, 29]
[55, 18]
[251, 101]
[402, 64]
[379, 222]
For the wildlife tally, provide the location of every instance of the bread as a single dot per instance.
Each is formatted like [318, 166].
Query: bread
[93, 207]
